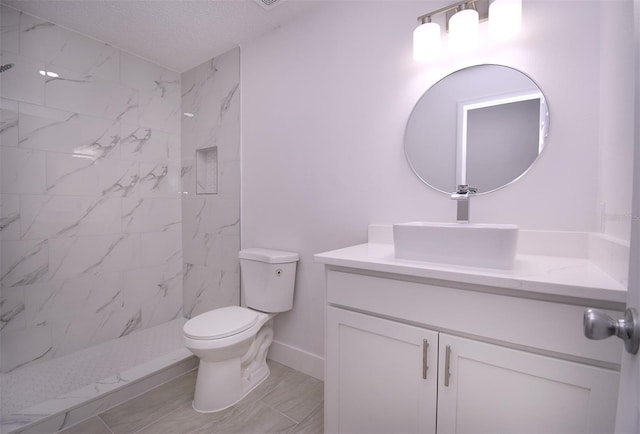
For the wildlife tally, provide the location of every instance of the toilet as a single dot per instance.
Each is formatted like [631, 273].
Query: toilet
[232, 342]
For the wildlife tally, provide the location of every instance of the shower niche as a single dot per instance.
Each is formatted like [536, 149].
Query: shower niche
[207, 170]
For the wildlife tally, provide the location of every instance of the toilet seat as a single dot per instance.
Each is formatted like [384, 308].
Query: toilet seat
[220, 323]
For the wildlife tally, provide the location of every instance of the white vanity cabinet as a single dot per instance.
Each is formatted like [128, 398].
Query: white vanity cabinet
[382, 375]
[493, 389]
[407, 354]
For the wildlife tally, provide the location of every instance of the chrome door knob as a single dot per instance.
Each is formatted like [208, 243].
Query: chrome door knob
[599, 325]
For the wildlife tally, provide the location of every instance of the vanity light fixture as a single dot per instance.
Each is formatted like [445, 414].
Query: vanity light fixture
[462, 20]
[463, 27]
[506, 18]
[426, 40]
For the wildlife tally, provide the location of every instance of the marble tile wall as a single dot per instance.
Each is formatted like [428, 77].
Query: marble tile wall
[90, 210]
[211, 222]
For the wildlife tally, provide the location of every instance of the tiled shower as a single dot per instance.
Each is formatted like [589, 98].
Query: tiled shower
[103, 233]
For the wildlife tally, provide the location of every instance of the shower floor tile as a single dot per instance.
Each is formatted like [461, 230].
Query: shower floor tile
[52, 379]
[288, 401]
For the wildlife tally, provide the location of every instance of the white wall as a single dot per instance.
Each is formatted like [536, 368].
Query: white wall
[616, 119]
[324, 106]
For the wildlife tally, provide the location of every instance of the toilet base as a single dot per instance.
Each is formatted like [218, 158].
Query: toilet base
[219, 385]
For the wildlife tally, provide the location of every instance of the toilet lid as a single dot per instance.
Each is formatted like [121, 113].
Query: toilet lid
[220, 323]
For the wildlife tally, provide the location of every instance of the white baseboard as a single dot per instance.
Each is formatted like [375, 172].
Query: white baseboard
[300, 360]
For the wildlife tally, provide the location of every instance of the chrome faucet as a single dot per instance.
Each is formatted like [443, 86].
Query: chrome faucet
[461, 195]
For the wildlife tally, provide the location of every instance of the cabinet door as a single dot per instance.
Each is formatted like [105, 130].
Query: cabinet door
[493, 389]
[374, 375]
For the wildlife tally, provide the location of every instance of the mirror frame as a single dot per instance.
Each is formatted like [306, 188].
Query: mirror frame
[464, 106]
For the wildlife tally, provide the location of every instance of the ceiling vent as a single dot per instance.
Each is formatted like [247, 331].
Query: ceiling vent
[268, 4]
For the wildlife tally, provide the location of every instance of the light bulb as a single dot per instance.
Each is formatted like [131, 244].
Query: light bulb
[426, 42]
[505, 18]
[463, 29]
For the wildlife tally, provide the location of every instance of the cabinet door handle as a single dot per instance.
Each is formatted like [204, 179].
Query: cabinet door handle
[447, 365]
[425, 367]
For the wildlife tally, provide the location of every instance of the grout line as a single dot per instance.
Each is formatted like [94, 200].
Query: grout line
[105, 424]
[320, 405]
[278, 411]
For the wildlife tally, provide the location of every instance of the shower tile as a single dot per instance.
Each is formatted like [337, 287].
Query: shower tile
[118, 178]
[230, 282]
[32, 216]
[8, 123]
[23, 171]
[193, 84]
[23, 262]
[212, 215]
[229, 184]
[227, 137]
[21, 347]
[95, 296]
[159, 180]
[200, 248]
[151, 214]
[9, 29]
[201, 287]
[84, 332]
[12, 312]
[206, 129]
[69, 216]
[74, 175]
[140, 412]
[188, 177]
[143, 75]
[159, 108]
[23, 82]
[9, 217]
[64, 131]
[210, 91]
[159, 248]
[148, 145]
[91, 381]
[90, 95]
[90, 183]
[69, 174]
[157, 289]
[88, 255]
[58, 47]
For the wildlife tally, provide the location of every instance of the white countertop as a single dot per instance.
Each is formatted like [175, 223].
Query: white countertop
[560, 276]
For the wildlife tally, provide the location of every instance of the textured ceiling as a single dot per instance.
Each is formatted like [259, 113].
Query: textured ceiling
[178, 34]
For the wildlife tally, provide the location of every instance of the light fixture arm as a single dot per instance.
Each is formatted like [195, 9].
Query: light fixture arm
[426, 18]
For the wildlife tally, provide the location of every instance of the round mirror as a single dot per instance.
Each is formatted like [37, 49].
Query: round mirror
[483, 126]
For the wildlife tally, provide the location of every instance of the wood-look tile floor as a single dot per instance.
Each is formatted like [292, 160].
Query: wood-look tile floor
[287, 402]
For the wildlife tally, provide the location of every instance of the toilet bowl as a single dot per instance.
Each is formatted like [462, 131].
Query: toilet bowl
[232, 342]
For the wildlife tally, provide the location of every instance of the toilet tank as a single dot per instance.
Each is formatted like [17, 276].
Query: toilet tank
[268, 278]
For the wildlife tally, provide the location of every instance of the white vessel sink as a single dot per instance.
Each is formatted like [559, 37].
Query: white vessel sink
[471, 244]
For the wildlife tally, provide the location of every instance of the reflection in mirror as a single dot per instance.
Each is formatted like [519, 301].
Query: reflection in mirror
[483, 126]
